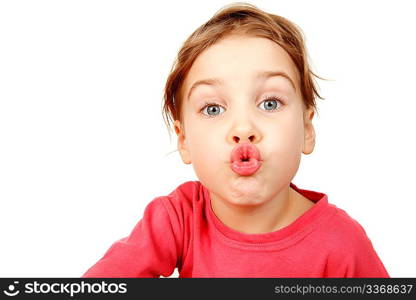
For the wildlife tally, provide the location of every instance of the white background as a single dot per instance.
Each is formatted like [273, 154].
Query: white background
[83, 146]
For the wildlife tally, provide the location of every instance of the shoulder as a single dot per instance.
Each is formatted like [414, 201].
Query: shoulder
[344, 233]
[346, 223]
[184, 196]
[350, 252]
[180, 204]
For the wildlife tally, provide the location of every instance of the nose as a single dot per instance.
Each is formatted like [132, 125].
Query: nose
[243, 123]
[243, 134]
[237, 139]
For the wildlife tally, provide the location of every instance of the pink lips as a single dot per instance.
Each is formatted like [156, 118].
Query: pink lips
[245, 159]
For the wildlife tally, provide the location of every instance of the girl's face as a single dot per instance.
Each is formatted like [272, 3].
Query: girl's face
[249, 102]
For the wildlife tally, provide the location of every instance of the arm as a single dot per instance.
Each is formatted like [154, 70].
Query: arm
[152, 248]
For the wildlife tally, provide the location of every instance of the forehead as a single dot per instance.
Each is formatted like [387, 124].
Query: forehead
[241, 60]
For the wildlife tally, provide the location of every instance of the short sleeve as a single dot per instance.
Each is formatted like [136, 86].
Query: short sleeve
[150, 250]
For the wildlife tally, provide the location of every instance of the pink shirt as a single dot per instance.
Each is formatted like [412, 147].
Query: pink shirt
[181, 231]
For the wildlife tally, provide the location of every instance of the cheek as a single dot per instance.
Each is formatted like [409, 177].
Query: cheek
[285, 143]
[202, 139]
[204, 145]
[290, 139]
[207, 167]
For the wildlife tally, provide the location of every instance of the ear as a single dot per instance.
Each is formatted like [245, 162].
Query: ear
[182, 147]
[309, 131]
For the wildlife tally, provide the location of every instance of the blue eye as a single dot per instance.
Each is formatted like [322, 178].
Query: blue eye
[211, 108]
[271, 103]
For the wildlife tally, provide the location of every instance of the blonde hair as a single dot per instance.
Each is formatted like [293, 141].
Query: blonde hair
[238, 18]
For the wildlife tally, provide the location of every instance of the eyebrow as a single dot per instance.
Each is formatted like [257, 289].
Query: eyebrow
[260, 75]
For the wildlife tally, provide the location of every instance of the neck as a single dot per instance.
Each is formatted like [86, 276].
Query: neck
[266, 217]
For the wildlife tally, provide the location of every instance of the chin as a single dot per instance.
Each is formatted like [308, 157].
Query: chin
[246, 196]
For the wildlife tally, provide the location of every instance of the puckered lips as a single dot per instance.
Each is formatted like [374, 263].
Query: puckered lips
[245, 159]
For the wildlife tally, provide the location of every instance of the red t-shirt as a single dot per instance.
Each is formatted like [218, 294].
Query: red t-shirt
[181, 231]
